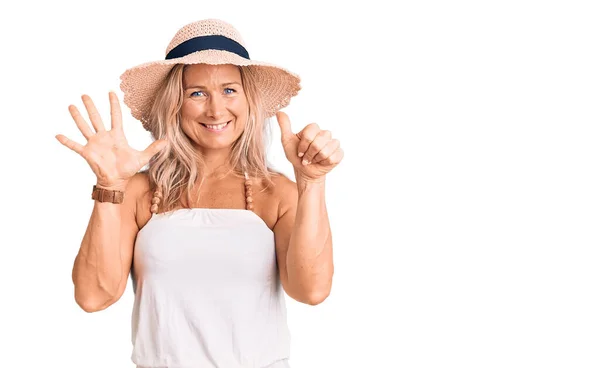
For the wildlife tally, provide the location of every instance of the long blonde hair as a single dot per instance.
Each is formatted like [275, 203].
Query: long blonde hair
[175, 169]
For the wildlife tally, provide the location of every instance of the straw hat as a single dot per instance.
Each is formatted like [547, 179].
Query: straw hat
[209, 41]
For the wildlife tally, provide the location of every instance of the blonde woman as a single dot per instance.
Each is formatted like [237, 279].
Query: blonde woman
[210, 236]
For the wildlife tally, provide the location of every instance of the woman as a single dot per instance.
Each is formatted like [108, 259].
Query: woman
[211, 236]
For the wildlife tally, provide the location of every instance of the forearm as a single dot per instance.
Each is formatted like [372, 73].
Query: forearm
[310, 255]
[97, 269]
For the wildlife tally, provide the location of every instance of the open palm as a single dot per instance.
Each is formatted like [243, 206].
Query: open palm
[107, 152]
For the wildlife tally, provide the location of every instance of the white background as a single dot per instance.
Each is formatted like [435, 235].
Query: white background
[465, 213]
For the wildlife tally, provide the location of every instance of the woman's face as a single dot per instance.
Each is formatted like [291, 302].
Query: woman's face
[215, 108]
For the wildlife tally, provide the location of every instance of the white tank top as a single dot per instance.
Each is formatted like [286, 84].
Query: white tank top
[207, 292]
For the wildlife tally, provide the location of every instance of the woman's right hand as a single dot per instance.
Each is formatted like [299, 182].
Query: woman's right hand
[107, 152]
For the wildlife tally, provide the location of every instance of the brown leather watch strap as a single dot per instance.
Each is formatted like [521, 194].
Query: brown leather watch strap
[105, 195]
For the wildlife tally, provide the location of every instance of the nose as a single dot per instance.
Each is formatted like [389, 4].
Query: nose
[215, 107]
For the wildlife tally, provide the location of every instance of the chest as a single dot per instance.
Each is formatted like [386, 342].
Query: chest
[226, 194]
[205, 245]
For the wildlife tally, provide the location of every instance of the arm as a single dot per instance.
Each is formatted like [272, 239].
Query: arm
[303, 241]
[101, 268]
[302, 232]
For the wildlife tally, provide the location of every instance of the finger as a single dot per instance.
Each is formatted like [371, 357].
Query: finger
[307, 135]
[323, 136]
[326, 151]
[154, 148]
[83, 126]
[115, 112]
[74, 146]
[93, 113]
[335, 157]
[284, 124]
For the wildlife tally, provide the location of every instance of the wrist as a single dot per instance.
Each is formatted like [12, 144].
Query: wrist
[306, 185]
[115, 186]
[303, 179]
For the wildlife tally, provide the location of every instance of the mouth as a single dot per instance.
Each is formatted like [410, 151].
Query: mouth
[216, 127]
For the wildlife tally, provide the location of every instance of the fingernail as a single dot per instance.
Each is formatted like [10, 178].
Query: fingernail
[300, 154]
[304, 162]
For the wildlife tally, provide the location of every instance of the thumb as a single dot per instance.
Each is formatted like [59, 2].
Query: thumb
[284, 125]
[153, 149]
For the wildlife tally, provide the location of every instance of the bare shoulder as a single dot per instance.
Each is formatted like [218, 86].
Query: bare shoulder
[139, 184]
[140, 190]
[286, 192]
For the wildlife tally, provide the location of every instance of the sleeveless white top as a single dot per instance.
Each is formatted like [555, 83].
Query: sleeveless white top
[207, 292]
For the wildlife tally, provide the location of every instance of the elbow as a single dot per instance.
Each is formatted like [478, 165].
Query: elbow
[312, 298]
[317, 298]
[88, 307]
[91, 304]
[310, 293]
[318, 294]
[97, 298]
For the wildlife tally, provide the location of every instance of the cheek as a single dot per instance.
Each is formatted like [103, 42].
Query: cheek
[190, 110]
[239, 107]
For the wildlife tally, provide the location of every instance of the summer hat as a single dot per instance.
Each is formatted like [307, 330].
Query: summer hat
[209, 41]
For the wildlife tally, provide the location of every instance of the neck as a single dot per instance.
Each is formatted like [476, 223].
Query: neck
[216, 162]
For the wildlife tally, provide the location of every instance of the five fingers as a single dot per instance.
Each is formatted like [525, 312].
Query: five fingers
[315, 146]
[115, 114]
[83, 126]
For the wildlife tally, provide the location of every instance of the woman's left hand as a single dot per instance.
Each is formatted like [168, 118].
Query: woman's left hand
[312, 151]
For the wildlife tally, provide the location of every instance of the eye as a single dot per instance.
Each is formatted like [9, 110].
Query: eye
[195, 95]
[229, 91]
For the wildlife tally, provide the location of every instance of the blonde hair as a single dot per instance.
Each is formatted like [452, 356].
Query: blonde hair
[174, 170]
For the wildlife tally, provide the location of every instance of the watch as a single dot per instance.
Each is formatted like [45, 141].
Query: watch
[106, 195]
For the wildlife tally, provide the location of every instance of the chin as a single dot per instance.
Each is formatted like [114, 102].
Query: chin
[215, 146]
[217, 143]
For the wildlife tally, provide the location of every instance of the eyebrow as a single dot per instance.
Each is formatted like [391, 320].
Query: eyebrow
[222, 85]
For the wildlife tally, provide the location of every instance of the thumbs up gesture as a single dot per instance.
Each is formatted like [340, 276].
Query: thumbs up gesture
[312, 151]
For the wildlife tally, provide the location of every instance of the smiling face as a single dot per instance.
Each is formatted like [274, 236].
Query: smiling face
[215, 107]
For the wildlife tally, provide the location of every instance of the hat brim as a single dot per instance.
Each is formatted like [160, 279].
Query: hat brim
[140, 83]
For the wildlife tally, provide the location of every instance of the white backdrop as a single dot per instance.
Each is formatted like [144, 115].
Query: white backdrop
[464, 215]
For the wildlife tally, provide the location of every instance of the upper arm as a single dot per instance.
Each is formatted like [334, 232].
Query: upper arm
[287, 192]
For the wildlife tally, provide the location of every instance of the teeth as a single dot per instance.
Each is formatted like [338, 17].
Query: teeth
[216, 127]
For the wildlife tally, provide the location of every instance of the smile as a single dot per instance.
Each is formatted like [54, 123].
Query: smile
[216, 128]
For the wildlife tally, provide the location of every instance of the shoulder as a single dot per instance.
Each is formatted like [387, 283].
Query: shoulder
[140, 183]
[139, 188]
[281, 183]
[285, 191]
